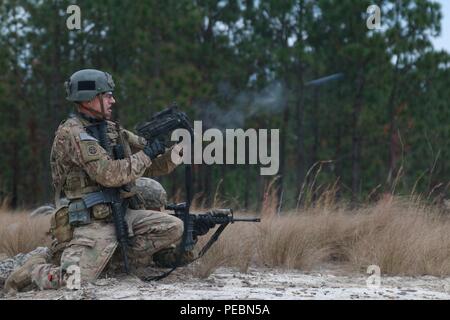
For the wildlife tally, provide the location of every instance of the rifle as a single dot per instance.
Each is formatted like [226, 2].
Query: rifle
[163, 123]
[199, 224]
[160, 125]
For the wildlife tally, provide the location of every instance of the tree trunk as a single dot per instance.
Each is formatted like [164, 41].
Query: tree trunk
[393, 139]
[315, 127]
[300, 111]
[356, 136]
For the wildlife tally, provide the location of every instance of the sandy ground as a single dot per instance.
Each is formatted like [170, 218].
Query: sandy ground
[268, 284]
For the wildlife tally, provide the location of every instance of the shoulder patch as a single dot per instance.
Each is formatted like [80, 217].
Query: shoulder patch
[90, 150]
[86, 137]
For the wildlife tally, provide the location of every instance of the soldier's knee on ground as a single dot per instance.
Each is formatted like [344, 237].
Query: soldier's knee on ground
[89, 251]
[20, 278]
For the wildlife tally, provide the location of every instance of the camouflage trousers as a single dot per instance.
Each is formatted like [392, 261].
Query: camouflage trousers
[94, 245]
[8, 265]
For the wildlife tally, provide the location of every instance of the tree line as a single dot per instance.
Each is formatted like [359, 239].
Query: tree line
[380, 124]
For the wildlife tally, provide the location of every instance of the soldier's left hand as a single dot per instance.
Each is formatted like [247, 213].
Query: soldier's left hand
[154, 149]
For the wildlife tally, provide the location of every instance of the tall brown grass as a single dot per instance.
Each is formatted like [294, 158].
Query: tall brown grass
[19, 233]
[402, 236]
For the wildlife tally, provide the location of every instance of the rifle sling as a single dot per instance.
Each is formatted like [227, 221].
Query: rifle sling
[211, 240]
[202, 252]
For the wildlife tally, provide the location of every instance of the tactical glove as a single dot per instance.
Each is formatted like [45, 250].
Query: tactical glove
[154, 149]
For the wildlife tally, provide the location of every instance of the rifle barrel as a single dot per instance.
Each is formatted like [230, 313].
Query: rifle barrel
[247, 219]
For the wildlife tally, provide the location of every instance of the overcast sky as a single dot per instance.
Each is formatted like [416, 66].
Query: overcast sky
[443, 42]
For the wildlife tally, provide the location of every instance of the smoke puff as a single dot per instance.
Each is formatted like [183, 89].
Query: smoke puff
[271, 100]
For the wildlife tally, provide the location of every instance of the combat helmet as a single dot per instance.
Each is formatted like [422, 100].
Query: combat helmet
[85, 84]
[151, 193]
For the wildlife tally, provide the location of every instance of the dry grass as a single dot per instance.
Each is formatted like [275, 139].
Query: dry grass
[19, 233]
[402, 236]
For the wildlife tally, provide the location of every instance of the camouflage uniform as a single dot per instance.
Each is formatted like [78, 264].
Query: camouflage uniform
[8, 265]
[79, 166]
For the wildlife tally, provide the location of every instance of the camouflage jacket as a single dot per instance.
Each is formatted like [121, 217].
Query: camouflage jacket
[80, 165]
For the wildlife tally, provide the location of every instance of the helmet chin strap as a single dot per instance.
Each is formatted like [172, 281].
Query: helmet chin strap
[102, 115]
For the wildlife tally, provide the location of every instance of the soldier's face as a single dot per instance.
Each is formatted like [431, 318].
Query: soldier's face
[108, 101]
[95, 104]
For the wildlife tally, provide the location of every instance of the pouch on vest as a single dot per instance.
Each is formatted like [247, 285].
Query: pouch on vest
[79, 214]
[101, 211]
[59, 225]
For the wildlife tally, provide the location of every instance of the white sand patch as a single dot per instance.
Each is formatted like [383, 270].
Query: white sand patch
[267, 284]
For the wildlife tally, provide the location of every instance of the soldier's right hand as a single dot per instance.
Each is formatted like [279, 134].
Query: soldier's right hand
[154, 149]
